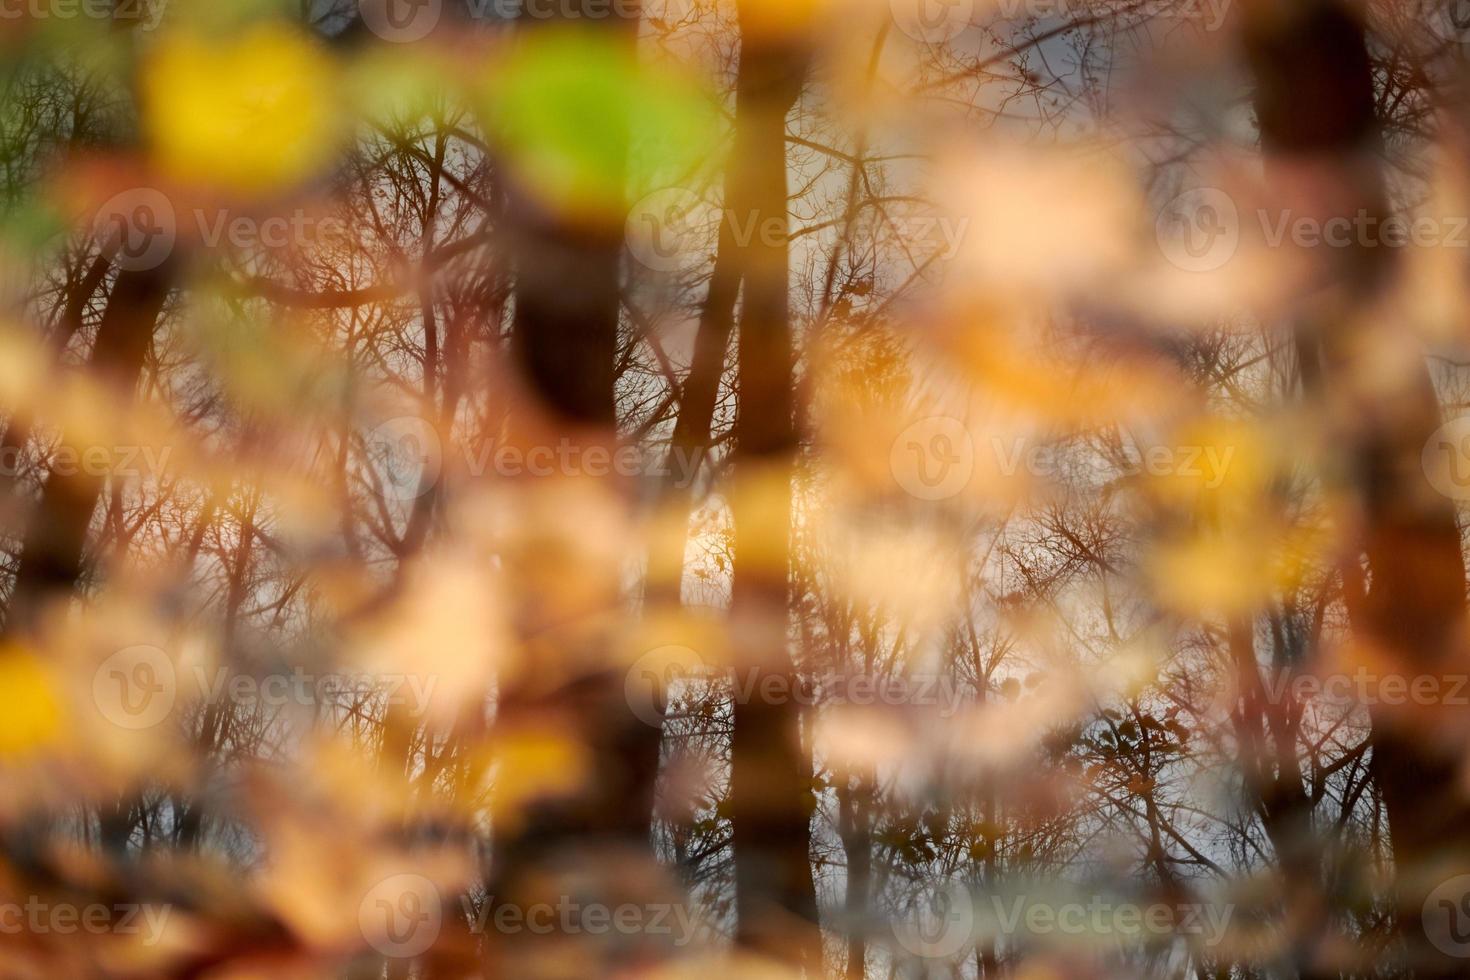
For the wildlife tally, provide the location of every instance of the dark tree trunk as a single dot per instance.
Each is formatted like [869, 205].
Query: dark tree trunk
[1315, 103]
[564, 341]
[770, 794]
[18, 431]
[691, 436]
[1267, 733]
[50, 563]
[855, 806]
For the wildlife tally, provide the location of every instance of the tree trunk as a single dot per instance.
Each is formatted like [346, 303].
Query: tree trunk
[855, 807]
[770, 792]
[1316, 106]
[50, 563]
[1270, 766]
[563, 345]
[18, 431]
[691, 437]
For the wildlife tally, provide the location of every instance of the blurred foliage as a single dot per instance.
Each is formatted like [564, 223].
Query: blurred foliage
[1120, 500]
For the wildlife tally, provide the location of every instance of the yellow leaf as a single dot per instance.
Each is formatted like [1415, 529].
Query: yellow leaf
[1205, 573]
[251, 113]
[533, 764]
[30, 713]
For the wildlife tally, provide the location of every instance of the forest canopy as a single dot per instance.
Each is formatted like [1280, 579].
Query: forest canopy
[753, 488]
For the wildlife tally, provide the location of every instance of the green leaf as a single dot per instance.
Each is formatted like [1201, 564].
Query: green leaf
[580, 120]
